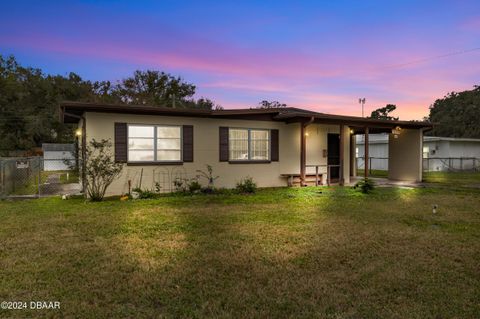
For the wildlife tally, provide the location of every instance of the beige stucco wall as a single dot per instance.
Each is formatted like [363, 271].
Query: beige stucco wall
[405, 155]
[206, 150]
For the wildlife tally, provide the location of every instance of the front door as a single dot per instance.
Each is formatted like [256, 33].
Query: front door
[333, 151]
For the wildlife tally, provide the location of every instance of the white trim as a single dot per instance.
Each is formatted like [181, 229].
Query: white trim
[155, 140]
[249, 141]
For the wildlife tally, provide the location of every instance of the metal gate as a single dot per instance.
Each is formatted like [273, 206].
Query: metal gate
[26, 177]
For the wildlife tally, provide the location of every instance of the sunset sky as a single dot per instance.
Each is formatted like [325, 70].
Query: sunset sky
[319, 55]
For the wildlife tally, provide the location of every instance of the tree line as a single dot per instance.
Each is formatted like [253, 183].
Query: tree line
[29, 100]
[457, 114]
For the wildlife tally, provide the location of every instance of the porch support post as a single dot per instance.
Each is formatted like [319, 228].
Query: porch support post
[366, 160]
[342, 154]
[303, 149]
[353, 155]
[303, 153]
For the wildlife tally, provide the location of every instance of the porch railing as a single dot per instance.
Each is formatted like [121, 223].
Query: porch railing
[329, 170]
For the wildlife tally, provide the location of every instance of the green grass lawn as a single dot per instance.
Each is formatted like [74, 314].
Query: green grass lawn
[448, 179]
[310, 252]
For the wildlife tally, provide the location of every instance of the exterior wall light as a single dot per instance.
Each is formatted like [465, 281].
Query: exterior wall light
[396, 131]
[352, 131]
[78, 132]
[306, 134]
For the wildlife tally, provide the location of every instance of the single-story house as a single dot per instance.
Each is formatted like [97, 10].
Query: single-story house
[274, 146]
[58, 156]
[439, 153]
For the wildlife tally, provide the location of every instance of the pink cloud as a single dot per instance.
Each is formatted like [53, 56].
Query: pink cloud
[327, 82]
[229, 60]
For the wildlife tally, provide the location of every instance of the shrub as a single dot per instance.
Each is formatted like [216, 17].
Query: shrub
[190, 186]
[180, 185]
[365, 185]
[208, 175]
[100, 168]
[194, 186]
[144, 193]
[246, 186]
[207, 190]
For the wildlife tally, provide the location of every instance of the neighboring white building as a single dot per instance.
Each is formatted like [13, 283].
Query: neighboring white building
[54, 156]
[439, 153]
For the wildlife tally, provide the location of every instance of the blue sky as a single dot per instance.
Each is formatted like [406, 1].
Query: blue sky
[320, 55]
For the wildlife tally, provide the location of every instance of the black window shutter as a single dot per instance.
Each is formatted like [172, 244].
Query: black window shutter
[120, 142]
[223, 144]
[274, 154]
[188, 143]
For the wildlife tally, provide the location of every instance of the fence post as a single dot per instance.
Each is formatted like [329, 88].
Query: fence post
[39, 176]
[2, 179]
[13, 177]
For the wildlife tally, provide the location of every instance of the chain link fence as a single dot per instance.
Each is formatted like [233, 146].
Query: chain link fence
[27, 177]
[437, 164]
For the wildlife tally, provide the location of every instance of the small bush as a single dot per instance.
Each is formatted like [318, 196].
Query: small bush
[209, 176]
[187, 186]
[144, 193]
[246, 186]
[365, 185]
[194, 186]
[180, 185]
[208, 190]
[100, 168]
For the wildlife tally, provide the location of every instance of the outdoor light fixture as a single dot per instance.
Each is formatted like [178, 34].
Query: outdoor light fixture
[351, 132]
[396, 131]
[306, 133]
[78, 132]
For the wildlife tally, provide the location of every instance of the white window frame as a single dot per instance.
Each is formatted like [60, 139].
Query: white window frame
[249, 144]
[155, 140]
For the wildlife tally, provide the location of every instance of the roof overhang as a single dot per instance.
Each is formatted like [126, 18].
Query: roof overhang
[72, 112]
[356, 124]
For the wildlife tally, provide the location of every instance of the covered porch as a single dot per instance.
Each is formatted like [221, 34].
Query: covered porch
[336, 162]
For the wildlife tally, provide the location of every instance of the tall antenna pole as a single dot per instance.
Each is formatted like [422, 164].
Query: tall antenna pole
[362, 102]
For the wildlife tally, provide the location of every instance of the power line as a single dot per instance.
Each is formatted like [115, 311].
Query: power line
[430, 58]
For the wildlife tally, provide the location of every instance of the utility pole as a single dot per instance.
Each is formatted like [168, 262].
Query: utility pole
[173, 100]
[362, 102]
